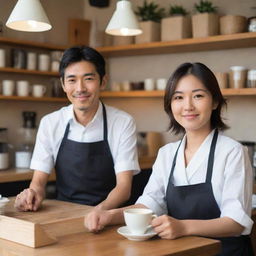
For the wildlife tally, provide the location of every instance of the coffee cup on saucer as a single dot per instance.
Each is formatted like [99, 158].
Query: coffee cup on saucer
[138, 220]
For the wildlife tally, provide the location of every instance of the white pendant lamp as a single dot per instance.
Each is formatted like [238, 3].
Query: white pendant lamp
[123, 21]
[28, 15]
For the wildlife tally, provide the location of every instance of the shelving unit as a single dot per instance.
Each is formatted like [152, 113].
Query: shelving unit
[129, 94]
[220, 42]
[28, 72]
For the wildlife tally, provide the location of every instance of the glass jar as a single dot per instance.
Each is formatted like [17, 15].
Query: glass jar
[252, 24]
[251, 78]
[4, 149]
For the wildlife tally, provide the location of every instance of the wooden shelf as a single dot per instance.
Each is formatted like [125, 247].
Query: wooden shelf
[130, 94]
[31, 44]
[152, 94]
[29, 72]
[220, 42]
[13, 174]
[30, 98]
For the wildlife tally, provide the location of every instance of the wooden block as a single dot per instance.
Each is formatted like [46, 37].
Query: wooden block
[35, 229]
[78, 32]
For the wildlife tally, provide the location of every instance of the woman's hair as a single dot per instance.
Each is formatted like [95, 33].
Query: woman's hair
[82, 53]
[205, 75]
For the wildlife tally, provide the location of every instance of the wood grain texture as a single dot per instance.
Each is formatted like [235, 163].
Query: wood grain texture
[109, 242]
[35, 229]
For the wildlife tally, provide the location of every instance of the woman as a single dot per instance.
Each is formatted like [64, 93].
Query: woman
[202, 184]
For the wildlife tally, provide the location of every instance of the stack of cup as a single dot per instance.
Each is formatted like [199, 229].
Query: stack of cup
[149, 84]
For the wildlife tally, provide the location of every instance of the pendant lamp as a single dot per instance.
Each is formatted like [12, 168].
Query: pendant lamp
[28, 15]
[123, 21]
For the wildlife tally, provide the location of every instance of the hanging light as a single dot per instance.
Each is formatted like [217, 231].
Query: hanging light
[123, 21]
[28, 15]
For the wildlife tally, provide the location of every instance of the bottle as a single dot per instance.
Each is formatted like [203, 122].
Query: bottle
[24, 151]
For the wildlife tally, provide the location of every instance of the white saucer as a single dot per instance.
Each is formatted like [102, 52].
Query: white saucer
[124, 231]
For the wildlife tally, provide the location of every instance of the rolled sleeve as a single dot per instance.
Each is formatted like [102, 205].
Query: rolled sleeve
[237, 190]
[154, 193]
[125, 153]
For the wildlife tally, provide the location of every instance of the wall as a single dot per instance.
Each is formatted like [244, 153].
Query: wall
[149, 113]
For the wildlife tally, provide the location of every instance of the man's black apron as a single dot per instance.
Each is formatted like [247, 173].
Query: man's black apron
[198, 202]
[85, 171]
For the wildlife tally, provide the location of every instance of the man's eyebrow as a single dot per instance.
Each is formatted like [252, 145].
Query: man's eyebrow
[86, 74]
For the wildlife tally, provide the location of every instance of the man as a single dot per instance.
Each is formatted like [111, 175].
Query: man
[91, 146]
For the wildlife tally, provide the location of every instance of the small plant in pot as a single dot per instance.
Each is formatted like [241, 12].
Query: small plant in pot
[206, 21]
[150, 15]
[177, 25]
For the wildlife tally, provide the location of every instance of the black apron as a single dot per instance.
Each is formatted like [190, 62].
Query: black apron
[197, 202]
[85, 171]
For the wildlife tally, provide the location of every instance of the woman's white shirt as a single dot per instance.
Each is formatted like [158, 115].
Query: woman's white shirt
[121, 137]
[232, 177]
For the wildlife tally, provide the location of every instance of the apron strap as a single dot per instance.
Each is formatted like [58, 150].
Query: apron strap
[105, 124]
[174, 160]
[211, 157]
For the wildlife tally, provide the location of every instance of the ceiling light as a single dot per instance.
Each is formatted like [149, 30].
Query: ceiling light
[28, 15]
[123, 21]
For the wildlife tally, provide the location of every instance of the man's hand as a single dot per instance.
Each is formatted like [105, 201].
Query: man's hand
[97, 219]
[28, 200]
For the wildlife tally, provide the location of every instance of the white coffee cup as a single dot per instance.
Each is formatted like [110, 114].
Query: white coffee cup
[8, 87]
[2, 58]
[138, 220]
[31, 61]
[149, 84]
[55, 66]
[161, 83]
[44, 62]
[38, 90]
[22, 88]
[126, 85]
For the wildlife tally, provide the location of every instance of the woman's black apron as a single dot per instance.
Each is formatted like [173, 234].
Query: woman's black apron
[85, 171]
[198, 202]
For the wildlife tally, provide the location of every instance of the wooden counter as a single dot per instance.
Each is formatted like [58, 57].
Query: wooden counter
[109, 242]
[64, 221]
[12, 175]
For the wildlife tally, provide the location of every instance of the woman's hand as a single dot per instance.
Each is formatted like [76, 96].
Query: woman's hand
[97, 219]
[167, 227]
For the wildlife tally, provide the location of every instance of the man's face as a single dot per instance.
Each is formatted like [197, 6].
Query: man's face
[82, 86]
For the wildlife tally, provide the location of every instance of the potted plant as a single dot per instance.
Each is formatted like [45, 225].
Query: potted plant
[206, 22]
[177, 25]
[150, 15]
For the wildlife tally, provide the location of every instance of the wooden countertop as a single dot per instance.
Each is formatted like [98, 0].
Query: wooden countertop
[109, 242]
[12, 175]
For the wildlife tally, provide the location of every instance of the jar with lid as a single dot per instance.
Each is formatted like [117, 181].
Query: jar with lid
[252, 24]
[4, 149]
[251, 78]
[24, 150]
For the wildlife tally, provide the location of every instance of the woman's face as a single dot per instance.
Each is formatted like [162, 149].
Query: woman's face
[192, 105]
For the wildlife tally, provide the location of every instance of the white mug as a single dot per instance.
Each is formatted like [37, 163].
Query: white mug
[31, 61]
[43, 62]
[2, 58]
[149, 84]
[138, 220]
[38, 90]
[22, 88]
[8, 87]
[161, 83]
[55, 66]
